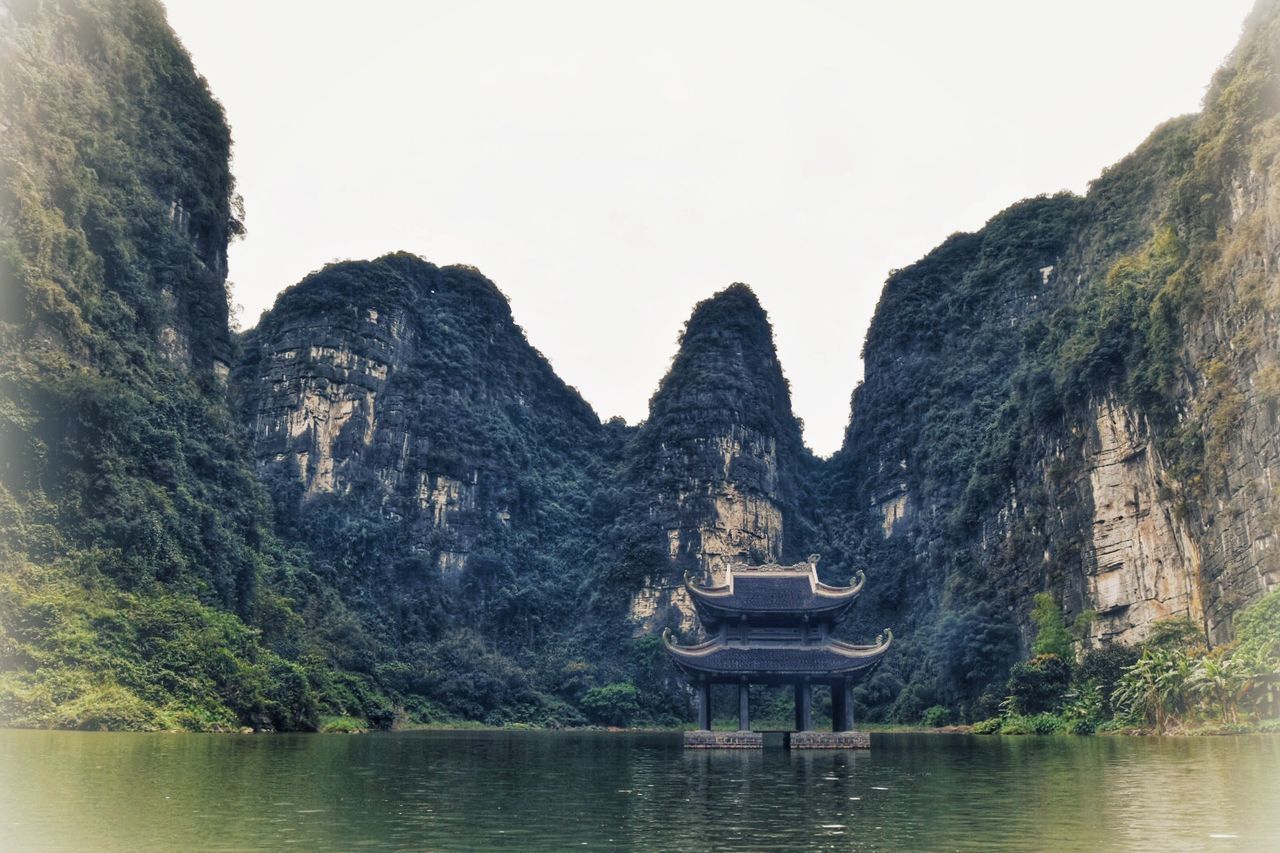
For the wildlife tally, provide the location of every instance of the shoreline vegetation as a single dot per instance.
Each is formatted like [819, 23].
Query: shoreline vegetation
[1171, 684]
[352, 726]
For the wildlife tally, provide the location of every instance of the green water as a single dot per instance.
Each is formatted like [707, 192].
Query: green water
[548, 790]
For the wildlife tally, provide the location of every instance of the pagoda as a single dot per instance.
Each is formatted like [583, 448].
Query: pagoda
[773, 625]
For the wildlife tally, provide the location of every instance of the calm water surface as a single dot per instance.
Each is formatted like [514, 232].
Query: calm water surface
[548, 790]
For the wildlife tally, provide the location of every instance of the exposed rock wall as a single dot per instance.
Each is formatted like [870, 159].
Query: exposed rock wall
[316, 416]
[723, 514]
[1083, 398]
[720, 461]
[408, 390]
[330, 419]
[1141, 564]
[1236, 347]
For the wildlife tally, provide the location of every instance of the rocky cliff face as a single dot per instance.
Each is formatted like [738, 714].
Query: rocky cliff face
[118, 206]
[720, 465]
[1234, 388]
[135, 540]
[1080, 399]
[403, 396]
[1140, 564]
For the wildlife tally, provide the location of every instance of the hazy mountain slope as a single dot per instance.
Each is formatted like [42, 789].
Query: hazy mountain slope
[438, 473]
[1080, 399]
[136, 549]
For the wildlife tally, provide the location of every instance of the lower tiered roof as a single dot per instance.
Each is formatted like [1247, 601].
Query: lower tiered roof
[720, 658]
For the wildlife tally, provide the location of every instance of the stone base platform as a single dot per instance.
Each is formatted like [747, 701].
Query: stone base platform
[791, 740]
[723, 740]
[828, 740]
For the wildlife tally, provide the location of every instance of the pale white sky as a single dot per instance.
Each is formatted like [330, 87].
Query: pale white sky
[608, 165]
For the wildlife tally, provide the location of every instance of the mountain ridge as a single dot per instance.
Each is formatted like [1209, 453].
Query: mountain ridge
[381, 503]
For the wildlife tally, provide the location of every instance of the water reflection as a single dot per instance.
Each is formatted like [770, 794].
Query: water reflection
[545, 790]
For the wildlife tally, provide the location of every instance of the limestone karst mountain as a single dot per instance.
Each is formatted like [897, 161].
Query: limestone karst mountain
[142, 584]
[438, 473]
[719, 465]
[1081, 398]
[409, 389]
[382, 502]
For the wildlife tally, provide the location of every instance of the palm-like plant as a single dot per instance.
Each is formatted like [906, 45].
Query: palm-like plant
[1220, 680]
[1173, 682]
[1137, 693]
[1260, 680]
[1154, 688]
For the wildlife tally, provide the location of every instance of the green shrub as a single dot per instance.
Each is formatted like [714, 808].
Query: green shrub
[343, 725]
[1038, 685]
[1051, 631]
[1154, 690]
[1085, 710]
[612, 705]
[561, 715]
[987, 727]
[1258, 628]
[936, 716]
[1104, 667]
[1015, 724]
[912, 702]
[1114, 725]
[1080, 726]
[1035, 724]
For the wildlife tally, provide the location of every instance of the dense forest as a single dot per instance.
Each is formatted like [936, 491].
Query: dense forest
[381, 507]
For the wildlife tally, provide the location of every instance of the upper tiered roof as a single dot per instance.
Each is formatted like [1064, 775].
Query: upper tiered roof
[773, 594]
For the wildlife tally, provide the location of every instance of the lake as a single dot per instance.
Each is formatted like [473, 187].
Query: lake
[562, 790]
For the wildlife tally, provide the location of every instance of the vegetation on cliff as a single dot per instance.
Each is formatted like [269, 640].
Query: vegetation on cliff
[720, 436]
[393, 509]
[1171, 682]
[458, 515]
[985, 362]
[139, 568]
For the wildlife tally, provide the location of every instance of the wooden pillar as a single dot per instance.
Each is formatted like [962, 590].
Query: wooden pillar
[842, 706]
[704, 705]
[804, 702]
[846, 692]
[744, 720]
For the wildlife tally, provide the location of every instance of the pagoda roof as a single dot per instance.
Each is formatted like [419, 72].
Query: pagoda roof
[775, 661]
[773, 591]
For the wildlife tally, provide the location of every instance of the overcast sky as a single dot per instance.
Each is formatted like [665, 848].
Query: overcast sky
[609, 165]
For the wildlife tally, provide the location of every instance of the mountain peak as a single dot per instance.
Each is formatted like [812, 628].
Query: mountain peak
[721, 452]
[397, 279]
[735, 310]
[727, 367]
